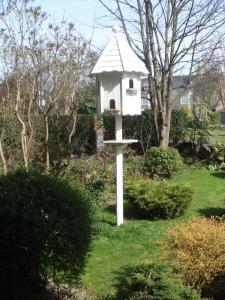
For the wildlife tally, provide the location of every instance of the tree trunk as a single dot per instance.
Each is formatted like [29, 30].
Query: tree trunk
[71, 134]
[47, 156]
[23, 140]
[2, 155]
[165, 128]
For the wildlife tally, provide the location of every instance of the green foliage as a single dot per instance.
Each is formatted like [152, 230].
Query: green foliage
[152, 282]
[213, 167]
[179, 125]
[219, 153]
[45, 228]
[199, 126]
[141, 128]
[158, 199]
[59, 126]
[95, 172]
[163, 162]
[214, 118]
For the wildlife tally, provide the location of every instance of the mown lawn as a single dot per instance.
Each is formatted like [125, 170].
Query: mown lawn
[136, 240]
[217, 135]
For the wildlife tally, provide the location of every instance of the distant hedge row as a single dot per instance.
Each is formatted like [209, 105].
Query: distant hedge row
[84, 140]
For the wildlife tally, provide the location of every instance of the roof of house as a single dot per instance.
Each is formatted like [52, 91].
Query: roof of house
[118, 56]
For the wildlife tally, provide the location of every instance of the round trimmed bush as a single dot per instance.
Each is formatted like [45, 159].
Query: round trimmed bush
[45, 229]
[152, 282]
[158, 199]
[163, 162]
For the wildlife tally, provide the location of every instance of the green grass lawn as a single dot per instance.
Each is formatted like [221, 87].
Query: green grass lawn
[218, 135]
[136, 240]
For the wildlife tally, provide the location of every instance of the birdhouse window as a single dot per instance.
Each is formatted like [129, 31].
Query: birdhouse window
[131, 84]
[112, 104]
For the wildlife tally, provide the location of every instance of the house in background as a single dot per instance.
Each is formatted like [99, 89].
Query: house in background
[181, 93]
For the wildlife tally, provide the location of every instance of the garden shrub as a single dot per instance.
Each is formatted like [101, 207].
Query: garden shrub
[198, 250]
[215, 118]
[179, 125]
[152, 282]
[95, 172]
[158, 199]
[59, 126]
[45, 229]
[163, 162]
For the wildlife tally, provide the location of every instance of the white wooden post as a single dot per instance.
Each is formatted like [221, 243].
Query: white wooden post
[119, 170]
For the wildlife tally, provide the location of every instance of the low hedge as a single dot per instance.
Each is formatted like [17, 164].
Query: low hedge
[158, 199]
[154, 281]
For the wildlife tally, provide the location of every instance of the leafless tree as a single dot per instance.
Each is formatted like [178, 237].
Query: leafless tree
[61, 63]
[42, 67]
[169, 36]
[19, 26]
[208, 85]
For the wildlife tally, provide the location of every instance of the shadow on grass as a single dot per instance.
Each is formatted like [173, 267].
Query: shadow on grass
[212, 211]
[129, 211]
[219, 174]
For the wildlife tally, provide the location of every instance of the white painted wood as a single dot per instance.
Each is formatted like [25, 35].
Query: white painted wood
[111, 89]
[123, 142]
[131, 97]
[116, 66]
[119, 170]
[119, 185]
[118, 56]
[119, 127]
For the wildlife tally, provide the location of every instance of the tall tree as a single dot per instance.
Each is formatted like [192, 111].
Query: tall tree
[168, 35]
[61, 63]
[42, 67]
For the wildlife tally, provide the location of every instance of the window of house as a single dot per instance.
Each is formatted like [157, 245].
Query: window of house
[184, 99]
[112, 104]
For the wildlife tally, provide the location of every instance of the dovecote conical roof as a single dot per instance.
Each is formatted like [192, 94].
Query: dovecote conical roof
[118, 56]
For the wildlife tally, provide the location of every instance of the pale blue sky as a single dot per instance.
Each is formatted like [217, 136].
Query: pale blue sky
[85, 14]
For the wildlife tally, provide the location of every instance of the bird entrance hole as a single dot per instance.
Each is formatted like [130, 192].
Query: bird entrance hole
[131, 84]
[112, 104]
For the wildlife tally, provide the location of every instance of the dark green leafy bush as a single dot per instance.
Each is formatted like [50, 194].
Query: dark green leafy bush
[158, 199]
[141, 128]
[163, 162]
[45, 229]
[152, 282]
[179, 125]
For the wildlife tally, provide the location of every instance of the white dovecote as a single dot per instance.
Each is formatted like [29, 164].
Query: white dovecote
[118, 74]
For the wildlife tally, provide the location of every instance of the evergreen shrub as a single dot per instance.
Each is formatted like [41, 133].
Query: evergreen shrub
[163, 162]
[158, 199]
[45, 229]
[154, 281]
